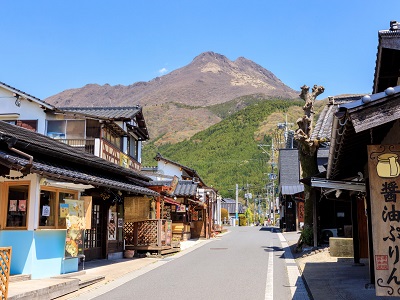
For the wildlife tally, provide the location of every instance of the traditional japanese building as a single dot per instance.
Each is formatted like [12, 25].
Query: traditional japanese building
[47, 201]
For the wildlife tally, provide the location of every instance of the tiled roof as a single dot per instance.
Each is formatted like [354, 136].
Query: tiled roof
[63, 171]
[323, 126]
[185, 188]
[387, 56]
[231, 206]
[114, 113]
[228, 200]
[358, 124]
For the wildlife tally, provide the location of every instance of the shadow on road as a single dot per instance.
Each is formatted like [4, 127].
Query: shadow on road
[269, 228]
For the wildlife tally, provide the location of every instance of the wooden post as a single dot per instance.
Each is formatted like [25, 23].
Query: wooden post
[356, 241]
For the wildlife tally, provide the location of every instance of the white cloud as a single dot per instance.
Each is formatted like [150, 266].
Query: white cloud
[162, 71]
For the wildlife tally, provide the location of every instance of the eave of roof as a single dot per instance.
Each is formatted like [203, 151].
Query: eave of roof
[292, 189]
[111, 113]
[351, 130]
[65, 173]
[27, 96]
[184, 188]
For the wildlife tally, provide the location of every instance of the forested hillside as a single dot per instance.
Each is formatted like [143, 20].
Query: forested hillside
[228, 152]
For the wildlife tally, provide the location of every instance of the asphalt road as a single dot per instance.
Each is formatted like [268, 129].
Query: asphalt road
[246, 263]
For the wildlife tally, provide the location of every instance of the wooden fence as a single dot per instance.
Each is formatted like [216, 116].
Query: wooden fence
[5, 263]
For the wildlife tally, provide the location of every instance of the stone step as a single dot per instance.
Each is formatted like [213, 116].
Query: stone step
[16, 278]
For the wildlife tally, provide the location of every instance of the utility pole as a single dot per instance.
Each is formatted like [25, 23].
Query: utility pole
[286, 132]
[237, 205]
[273, 182]
[272, 177]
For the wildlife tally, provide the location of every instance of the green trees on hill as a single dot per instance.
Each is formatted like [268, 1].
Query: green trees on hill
[228, 152]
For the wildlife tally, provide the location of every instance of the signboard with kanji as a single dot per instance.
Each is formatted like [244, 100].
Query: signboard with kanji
[384, 182]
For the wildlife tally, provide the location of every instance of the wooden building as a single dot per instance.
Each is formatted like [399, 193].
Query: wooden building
[363, 167]
[47, 190]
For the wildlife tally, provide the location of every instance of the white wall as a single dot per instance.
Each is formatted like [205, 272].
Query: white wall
[169, 169]
[27, 111]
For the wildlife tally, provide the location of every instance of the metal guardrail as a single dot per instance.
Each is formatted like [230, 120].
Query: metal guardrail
[5, 263]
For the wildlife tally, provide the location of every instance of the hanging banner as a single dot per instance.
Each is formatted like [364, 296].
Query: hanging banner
[384, 182]
[112, 222]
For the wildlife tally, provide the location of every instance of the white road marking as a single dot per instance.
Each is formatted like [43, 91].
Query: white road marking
[297, 288]
[269, 287]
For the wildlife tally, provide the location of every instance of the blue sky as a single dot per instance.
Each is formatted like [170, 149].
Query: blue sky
[51, 46]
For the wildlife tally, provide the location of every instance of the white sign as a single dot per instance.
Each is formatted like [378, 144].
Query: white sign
[46, 211]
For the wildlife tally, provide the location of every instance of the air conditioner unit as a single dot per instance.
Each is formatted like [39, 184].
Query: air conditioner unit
[327, 233]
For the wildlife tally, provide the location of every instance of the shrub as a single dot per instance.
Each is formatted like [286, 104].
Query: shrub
[224, 215]
[242, 220]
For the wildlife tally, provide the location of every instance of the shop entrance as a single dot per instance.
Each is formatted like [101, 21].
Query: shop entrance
[94, 237]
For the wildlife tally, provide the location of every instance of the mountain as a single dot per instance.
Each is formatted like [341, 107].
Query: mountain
[229, 152]
[176, 105]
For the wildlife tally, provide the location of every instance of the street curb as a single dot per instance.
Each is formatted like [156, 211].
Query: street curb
[301, 290]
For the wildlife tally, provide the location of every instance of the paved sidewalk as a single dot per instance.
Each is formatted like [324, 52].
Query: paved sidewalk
[332, 278]
[297, 287]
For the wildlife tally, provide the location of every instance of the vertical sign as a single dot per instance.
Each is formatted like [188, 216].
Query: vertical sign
[384, 182]
[112, 225]
[75, 219]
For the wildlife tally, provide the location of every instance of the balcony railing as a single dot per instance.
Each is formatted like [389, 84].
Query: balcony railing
[107, 151]
[85, 144]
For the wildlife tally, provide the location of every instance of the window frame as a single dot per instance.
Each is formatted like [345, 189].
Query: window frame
[66, 130]
[57, 206]
[5, 202]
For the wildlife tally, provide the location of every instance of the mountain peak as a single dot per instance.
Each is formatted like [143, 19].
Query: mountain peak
[211, 78]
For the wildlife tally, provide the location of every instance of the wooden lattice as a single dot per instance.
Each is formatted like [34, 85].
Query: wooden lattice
[129, 231]
[5, 262]
[147, 233]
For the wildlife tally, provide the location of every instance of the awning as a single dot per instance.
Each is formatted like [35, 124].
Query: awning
[338, 185]
[171, 201]
[292, 189]
[62, 172]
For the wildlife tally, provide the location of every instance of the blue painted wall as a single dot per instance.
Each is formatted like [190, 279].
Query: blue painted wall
[39, 253]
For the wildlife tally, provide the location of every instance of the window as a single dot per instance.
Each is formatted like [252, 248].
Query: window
[17, 204]
[66, 129]
[75, 129]
[110, 136]
[28, 124]
[52, 201]
[133, 147]
[56, 129]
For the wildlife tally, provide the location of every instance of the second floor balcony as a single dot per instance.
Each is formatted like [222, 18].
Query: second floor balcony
[104, 149]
